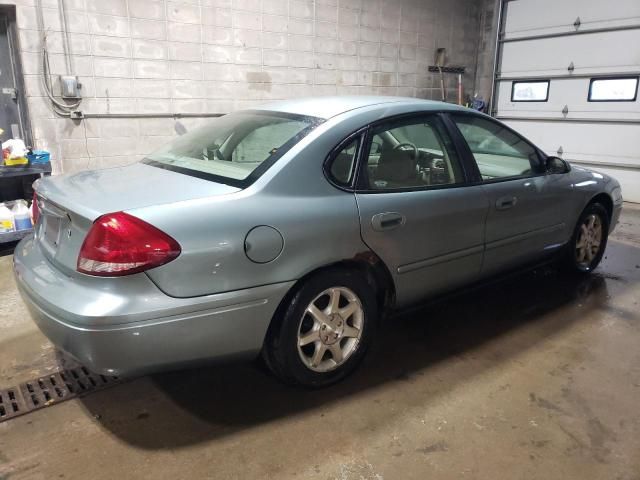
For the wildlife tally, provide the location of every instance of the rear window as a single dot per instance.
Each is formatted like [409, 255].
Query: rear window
[236, 148]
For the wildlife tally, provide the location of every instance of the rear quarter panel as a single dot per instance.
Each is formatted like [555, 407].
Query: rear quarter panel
[318, 222]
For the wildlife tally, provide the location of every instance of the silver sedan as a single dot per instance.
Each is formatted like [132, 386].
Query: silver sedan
[286, 230]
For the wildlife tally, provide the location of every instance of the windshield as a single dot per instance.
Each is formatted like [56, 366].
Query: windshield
[235, 148]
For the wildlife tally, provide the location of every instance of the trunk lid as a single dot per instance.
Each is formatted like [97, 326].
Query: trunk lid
[69, 204]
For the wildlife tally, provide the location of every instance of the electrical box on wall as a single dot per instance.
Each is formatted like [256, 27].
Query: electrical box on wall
[70, 86]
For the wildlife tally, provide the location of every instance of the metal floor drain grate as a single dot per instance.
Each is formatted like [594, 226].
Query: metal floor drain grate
[49, 390]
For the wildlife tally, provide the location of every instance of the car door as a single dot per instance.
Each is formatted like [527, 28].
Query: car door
[527, 212]
[417, 211]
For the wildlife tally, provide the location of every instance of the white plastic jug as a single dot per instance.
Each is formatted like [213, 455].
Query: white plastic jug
[21, 215]
[6, 219]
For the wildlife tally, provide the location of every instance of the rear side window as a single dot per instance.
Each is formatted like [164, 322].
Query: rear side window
[613, 89]
[343, 163]
[236, 148]
[499, 152]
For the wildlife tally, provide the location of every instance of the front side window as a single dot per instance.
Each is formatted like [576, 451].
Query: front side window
[413, 154]
[235, 147]
[498, 152]
[536, 91]
[613, 89]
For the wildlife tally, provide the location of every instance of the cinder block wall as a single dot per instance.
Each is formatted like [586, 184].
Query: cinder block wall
[160, 57]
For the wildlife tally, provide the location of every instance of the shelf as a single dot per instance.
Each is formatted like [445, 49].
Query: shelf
[19, 171]
[14, 236]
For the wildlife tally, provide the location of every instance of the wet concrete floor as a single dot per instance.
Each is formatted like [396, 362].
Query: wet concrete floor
[536, 377]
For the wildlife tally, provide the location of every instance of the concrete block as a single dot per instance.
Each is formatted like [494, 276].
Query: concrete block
[216, 16]
[150, 29]
[111, 46]
[327, 13]
[348, 62]
[113, 87]
[143, 88]
[370, 19]
[274, 40]
[348, 17]
[326, 61]
[189, 52]
[275, 57]
[186, 70]
[108, 25]
[368, 49]
[149, 9]
[300, 59]
[110, 7]
[217, 35]
[251, 56]
[217, 54]
[300, 27]
[247, 38]
[184, 32]
[275, 7]
[151, 69]
[183, 12]
[112, 67]
[274, 23]
[301, 8]
[187, 89]
[326, 29]
[149, 49]
[153, 105]
[250, 5]
[302, 43]
[325, 45]
[249, 20]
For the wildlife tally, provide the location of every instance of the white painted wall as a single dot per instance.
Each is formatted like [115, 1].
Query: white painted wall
[216, 56]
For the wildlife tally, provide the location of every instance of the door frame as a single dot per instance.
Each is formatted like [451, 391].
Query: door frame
[9, 12]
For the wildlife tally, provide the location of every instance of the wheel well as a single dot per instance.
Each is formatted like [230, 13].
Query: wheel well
[605, 200]
[373, 270]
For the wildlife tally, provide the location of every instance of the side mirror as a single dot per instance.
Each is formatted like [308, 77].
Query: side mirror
[556, 165]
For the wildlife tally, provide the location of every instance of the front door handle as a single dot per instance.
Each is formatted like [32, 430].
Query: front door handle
[504, 203]
[387, 221]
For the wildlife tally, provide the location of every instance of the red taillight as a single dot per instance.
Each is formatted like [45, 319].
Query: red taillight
[121, 244]
[35, 211]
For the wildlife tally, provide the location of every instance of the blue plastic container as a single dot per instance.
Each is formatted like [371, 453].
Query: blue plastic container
[39, 157]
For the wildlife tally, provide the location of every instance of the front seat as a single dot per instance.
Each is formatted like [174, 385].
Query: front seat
[396, 169]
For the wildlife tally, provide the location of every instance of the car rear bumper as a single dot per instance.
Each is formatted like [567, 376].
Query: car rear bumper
[127, 326]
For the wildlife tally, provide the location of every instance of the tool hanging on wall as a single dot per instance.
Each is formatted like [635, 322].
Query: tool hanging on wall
[440, 61]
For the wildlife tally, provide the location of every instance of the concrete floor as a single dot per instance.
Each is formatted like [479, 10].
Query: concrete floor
[537, 377]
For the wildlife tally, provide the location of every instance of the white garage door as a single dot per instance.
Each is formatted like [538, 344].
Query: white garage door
[567, 78]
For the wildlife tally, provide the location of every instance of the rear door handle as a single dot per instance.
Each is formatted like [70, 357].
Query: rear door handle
[387, 221]
[504, 203]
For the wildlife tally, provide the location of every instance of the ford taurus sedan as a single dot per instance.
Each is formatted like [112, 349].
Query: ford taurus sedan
[286, 230]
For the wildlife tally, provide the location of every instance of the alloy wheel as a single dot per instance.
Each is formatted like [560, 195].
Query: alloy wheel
[330, 329]
[589, 241]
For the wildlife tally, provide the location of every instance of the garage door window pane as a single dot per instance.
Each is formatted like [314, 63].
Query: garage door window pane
[530, 91]
[498, 152]
[613, 90]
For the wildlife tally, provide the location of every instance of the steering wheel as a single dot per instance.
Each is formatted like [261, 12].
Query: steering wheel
[401, 146]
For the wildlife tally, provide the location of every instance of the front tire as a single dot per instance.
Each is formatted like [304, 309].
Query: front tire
[323, 332]
[589, 240]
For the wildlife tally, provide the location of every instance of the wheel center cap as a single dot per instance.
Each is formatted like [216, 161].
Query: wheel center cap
[331, 330]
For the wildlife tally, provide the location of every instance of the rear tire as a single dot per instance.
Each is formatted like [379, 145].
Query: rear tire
[323, 331]
[589, 240]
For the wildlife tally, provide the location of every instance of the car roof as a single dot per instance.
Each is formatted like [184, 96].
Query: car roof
[327, 107]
